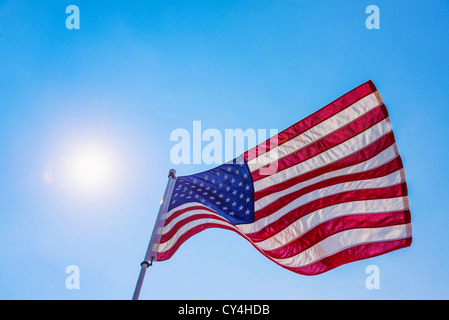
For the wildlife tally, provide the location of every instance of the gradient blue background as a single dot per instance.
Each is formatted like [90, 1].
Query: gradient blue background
[137, 70]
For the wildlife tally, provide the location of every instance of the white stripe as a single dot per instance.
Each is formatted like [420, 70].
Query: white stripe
[381, 182]
[162, 247]
[375, 162]
[313, 219]
[317, 132]
[186, 215]
[331, 155]
[181, 207]
[344, 240]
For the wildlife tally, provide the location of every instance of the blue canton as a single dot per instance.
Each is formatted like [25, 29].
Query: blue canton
[227, 189]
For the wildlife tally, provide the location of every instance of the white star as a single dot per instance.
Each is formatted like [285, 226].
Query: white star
[247, 187]
[248, 199]
[247, 212]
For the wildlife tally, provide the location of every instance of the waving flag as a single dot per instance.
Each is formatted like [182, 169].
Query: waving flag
[327, 191]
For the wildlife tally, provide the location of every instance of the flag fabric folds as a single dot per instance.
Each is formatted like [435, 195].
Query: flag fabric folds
[327, 191]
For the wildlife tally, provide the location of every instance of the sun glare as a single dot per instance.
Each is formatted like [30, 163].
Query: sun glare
[91, 169]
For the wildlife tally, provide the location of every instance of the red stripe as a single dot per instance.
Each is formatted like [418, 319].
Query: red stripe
[161, 256]
[362, 155]
[179, 212]
[319, 116]
[355, 253]
[365, 194]
[381, 171]
[337, 137]
[328, 228]
[185, 236]
[167, 236]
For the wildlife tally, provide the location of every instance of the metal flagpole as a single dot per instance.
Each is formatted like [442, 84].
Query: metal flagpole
[155, 236]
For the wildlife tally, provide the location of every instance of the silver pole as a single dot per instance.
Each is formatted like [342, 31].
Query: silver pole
[151, 252]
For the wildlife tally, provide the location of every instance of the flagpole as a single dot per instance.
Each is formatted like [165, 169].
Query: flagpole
[150, 253]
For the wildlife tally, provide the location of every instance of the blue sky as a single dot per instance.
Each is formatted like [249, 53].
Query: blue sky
[137, 70]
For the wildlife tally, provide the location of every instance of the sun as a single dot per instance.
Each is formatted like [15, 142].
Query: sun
[91, 168]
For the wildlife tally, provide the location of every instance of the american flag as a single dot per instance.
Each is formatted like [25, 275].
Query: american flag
[327, 191]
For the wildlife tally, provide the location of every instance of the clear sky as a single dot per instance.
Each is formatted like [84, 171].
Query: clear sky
[112, 92]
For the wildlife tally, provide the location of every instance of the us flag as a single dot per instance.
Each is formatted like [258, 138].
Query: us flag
[327, 191]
